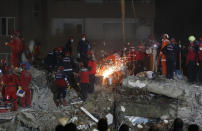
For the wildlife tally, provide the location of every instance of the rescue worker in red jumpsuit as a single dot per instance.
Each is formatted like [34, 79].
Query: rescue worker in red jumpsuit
[61, 85]
[191, 63]
[25, 78]
[140, 57]
[165, 41]
[200, 60]
[16, 49]
[92, 69]
[11, 84]
[84, 81]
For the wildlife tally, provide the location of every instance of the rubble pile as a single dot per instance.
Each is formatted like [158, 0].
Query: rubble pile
[137, 103]
[187, 97]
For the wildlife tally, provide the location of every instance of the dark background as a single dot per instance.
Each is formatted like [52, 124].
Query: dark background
[179, 18]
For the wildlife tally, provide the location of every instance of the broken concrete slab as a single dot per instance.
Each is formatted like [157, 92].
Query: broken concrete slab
[165, 88]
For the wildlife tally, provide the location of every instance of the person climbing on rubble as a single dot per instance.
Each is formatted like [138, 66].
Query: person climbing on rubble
[92, 69]
[25, 78]
[62, 84]
[84, 81]
[170, 51]
[68, 63]
[16, 48]
[191, 63]
[68, 45]
[165, 41]
[140, 57]
[12, 83]
[82, 50]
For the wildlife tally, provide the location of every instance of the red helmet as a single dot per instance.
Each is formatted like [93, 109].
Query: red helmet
[61, 68]
[90, 52]
[200, 38]
[83, 35]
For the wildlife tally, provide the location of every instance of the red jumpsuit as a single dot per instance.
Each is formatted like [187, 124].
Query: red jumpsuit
[25, 79]
[16, 49]
[12, 82]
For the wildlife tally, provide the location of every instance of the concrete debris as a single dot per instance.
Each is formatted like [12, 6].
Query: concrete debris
[109, 118]
[137, 120]
[152, 101]
[123, 109]
[162, 88]
[88, 113]
[139, 126]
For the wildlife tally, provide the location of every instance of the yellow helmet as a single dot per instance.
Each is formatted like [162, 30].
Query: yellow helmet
[192, 38]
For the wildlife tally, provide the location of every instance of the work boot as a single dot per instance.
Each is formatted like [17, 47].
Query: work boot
[64, 102]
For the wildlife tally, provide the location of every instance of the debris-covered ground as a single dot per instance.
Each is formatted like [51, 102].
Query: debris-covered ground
[136, 103]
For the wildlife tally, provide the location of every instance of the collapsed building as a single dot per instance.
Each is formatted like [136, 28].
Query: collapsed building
[138, 102]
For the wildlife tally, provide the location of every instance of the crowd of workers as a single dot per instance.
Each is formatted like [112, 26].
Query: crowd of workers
[15, 78]
[72, 72]
[166, 58]
[169, 58]
[178, 125]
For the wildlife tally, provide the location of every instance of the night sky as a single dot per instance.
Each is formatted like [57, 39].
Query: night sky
[178, 18]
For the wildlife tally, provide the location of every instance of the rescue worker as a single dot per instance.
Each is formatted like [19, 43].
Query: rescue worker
[84, 81]
[67, 63]
[16, 49]
[140, 57]
[68, 45]
[50, 61]
[191, 63]
[200, 60]
[11, 84]
[61, 84]
[92, 70]
[165, 41]
[25, 78]
[170, 51]
[82, 50]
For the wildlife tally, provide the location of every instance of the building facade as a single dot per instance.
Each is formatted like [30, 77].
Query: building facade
[51, 21]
